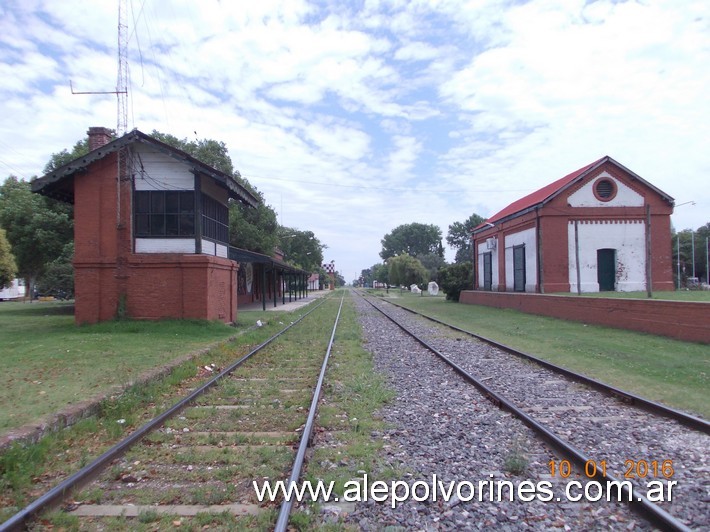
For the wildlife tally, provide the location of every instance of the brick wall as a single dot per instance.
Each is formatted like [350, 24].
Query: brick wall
[150, 286]
[689, 321]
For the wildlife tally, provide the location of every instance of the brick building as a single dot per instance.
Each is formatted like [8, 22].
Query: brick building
[599, 228]
[151, 230]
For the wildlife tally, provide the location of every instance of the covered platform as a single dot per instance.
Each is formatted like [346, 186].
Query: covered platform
[267, 281]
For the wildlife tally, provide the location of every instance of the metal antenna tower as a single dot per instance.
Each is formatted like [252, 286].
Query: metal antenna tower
[122, 81]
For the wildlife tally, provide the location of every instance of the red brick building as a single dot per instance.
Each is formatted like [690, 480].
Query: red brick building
[599, 228]
[151, 230]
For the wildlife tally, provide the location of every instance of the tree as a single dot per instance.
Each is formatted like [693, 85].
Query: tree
[380, 273]
[58, 278]
[454, 278]
[37, 228]
[301, 248]
[459, 237]
[253, 228]
[8, 266]
[407, 270]
[64, 156]
[414, 239]
[432, 263]
[691, 240]
[207, 151]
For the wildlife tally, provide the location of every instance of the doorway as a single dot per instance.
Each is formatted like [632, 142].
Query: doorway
[487, 271]
[606, 269]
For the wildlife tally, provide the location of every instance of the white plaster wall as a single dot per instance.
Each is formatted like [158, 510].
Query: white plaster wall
[625, 196]
[208, 247]
[165, 245]
[160, 172]
[528, 238]
[212, 248]
[482, 249]
[628, 238]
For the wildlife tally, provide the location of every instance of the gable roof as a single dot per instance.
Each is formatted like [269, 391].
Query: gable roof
[59, 184]
[548, 192]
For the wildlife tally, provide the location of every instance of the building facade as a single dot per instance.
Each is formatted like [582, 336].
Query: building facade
[151, 230]
[600, 228]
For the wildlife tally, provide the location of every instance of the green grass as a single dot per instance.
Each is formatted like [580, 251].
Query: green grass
[676, 295]
[50, 363]
[669, 371]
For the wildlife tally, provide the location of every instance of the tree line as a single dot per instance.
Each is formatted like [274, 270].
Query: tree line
[37, 233]
[414, 254]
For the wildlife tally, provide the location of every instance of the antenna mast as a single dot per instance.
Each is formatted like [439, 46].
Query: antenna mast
[122, 81]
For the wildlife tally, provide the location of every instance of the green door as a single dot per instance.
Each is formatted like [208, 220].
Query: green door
[487, 271]
[519, 268]
[606, 269]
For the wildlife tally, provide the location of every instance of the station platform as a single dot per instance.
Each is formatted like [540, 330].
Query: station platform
[288, 307]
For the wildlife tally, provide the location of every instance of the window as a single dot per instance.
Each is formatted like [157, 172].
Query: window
[215, 220]
[164, 213]
[604, 189]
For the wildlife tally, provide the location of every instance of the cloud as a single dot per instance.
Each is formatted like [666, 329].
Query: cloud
[354, 118]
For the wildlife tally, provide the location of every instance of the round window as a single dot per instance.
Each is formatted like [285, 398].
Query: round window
[605, 189]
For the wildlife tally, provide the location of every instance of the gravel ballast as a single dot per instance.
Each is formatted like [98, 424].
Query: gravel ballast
[442, 426]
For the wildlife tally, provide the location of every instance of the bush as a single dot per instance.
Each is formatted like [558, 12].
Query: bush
[454, 278]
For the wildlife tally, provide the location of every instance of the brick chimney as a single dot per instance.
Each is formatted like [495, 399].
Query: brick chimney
[98, 136]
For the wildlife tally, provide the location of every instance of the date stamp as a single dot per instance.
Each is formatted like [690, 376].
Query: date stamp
[632, 469]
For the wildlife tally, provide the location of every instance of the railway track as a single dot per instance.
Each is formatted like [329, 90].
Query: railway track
[193, 465]
[597, 435]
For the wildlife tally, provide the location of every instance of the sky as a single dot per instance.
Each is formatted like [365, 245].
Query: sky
[355, 117]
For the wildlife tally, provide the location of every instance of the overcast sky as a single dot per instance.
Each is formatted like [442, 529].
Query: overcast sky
[355, 117]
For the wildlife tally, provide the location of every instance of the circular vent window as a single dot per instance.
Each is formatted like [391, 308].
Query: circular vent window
[604, 189]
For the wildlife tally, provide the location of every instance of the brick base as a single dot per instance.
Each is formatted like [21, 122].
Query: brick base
[155, 286]
[689, 321]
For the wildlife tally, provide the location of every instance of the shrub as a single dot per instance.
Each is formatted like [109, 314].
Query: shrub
[454, 278]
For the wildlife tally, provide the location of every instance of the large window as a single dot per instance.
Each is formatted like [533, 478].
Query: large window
[164, 213]
[215, 220]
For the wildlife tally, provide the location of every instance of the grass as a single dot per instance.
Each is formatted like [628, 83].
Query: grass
[676, 295]
[665, 370]
[50, 363]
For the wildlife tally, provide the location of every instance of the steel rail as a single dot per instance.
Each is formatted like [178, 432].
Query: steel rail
[87, 473]
[285, 511]
[686, 419]
[640, 504]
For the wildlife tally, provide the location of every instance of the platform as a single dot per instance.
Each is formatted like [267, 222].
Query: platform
[294, 304]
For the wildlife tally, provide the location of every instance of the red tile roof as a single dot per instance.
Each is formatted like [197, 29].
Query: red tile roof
[541, 195]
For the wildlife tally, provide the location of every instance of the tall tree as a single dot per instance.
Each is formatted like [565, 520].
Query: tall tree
[208, 151]
[38, 228]
[414, 239]
[406, 270]
[63, 157]
[301, 248]
[459, 237]
[8, 266]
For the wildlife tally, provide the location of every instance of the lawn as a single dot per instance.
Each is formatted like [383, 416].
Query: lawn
[49, 362]
[676, 295]
[669, 371]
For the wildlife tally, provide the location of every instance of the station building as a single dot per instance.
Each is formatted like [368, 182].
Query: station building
[600, 228]
[151, 232]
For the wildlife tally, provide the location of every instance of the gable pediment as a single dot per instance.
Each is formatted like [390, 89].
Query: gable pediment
[605, 191]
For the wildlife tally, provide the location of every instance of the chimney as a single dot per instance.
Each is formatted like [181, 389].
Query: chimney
[99, 136]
